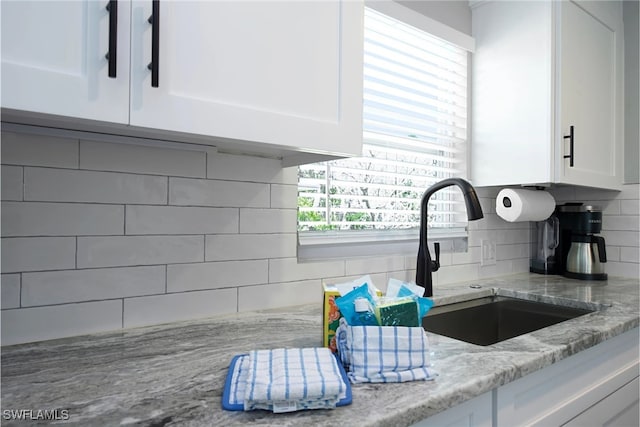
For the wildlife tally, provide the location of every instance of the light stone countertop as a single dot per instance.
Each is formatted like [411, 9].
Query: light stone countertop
[174, 374]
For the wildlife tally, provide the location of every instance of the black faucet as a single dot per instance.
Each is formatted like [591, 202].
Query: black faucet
[426, 266]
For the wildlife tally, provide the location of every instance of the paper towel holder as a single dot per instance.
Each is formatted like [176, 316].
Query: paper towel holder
[506, 201]
[520, 204]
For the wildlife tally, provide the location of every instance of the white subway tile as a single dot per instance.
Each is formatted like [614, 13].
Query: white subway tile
[249, 168]
[520, 265]
[208, 192]
[56, 287]
[505, 268]
[276, 295]
[411, 261]
[11, 182]
[180, 220]
[520, 235]
[223, 247]
[473, 225]
[446, 258]
[58, 321]
[629, 254]
[613, 253]
[630, 207]
[504, 252]
[214, 275]
[456, 274]
[471, 256]
[38, 253]
[370, 265]
[268, 220]
[145, 160]
[60, 185]
[613, 208]
[38, 150]
[10, 286]
[290, 270]
[621, 238]
[138, 250]
[488, 206]
[61, 219]
[623, 269]
[476, 236]
[141, 311]
[284, 196]
[629, 191]
[621, 223]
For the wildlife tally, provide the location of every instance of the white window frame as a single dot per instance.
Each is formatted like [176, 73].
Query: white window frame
[340, 244]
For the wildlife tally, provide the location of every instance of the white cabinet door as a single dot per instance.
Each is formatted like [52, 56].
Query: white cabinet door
[590, 59]
[512, 97]
[476, 412]
[556, 394]
[53, 59]
[620, 408]
[540, 68]
[285, 73]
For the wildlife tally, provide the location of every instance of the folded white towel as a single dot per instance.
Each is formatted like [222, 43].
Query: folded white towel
[284, 380]
[238, 382]
[384, 353]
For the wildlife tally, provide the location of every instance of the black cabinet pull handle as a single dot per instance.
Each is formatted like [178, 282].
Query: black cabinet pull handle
[154, 20]
[570, 136]
[112, 54]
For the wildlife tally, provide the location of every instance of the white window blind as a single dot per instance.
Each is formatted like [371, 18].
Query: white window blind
[415, 119]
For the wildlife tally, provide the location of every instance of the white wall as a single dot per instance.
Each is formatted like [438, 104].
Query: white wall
[632, 92]
[100, 236]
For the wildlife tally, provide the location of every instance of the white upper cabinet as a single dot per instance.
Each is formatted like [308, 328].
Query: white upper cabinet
[285, 73]
[53, 58]
[541, 69]
[277, 76]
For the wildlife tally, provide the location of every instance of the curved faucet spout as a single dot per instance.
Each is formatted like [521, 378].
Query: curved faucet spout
[426, 266]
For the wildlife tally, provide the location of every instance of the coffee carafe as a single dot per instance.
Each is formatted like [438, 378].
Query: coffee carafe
[544, 242]
[582, 253]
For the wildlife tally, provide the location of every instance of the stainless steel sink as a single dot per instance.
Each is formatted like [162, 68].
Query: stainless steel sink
[486, 321]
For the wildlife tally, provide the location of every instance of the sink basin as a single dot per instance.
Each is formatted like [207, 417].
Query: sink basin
[486, 321]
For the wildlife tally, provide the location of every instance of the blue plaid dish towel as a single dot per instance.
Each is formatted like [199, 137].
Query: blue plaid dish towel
[383, 354]
[285, 380]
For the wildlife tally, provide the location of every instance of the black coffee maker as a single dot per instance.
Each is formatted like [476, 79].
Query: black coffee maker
[580, 253]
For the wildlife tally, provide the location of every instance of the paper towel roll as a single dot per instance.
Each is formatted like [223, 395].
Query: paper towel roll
[515, 205]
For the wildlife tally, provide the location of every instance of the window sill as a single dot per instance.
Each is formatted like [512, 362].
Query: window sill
[314, 246]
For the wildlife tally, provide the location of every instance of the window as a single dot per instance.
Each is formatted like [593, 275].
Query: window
[414, 134]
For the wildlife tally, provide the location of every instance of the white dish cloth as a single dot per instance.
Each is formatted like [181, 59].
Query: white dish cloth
[383, 354]
[284, 380]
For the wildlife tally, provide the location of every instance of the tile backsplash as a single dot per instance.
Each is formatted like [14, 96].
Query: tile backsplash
[99, 236]
[620, 224]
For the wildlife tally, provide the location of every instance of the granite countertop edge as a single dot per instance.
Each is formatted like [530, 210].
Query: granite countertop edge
[173, 374]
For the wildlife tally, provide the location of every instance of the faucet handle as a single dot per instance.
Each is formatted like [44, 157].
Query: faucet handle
[435, 265]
